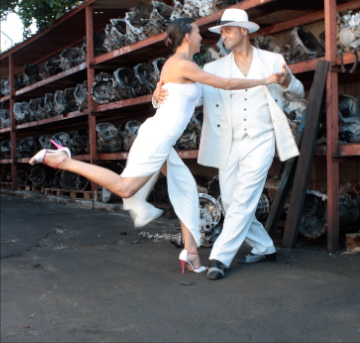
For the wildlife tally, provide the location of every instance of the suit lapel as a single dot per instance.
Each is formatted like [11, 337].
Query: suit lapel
[225, 71]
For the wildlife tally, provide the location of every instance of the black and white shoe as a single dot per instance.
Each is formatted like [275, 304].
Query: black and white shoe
[252, 258]
[216, 270]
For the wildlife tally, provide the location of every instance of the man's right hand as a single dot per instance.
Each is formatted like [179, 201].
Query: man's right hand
[160, 94]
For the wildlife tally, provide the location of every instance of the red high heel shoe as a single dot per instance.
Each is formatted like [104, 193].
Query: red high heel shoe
[184, 260]
[40, 156]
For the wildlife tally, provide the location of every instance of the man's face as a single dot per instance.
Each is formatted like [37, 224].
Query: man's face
[232, 36]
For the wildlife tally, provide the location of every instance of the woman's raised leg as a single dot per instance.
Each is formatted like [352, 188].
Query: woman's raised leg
[123, 187]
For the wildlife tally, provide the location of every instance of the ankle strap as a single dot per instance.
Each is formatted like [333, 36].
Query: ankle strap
[193, 253]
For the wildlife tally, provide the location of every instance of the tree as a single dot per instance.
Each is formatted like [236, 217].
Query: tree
[41, 12]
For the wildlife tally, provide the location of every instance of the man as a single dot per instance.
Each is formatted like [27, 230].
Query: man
[238, 138]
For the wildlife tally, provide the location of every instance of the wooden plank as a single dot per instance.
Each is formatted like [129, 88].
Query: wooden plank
[307, 150]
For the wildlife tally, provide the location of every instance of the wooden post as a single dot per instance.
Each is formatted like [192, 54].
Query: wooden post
[90, 61]
[307, 150]
[332, 143]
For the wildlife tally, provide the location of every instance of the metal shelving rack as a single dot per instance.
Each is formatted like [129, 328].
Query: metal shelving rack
[85, 20]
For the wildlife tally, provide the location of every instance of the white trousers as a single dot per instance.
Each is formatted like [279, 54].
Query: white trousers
[241, 185]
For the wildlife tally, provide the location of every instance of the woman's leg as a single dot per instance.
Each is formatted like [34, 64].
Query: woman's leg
[123, 187]
[189, 241]
[190, 246]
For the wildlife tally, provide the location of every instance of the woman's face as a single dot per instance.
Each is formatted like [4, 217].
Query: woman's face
[195, 37]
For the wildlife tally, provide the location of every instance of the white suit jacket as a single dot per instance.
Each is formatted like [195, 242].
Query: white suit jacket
[216, 134]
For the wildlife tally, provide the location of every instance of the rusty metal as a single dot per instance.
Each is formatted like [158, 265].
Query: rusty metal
[124, 103]
[51, 79]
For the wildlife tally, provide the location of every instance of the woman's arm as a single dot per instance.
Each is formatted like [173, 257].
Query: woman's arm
[190, 70]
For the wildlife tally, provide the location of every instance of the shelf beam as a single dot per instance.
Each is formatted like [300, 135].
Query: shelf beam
[51, 79]
[301, 21]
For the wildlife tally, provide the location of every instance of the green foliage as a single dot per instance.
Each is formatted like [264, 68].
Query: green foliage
[41, 12]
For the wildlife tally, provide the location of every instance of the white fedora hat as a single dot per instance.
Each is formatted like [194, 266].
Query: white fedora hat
[235, 17]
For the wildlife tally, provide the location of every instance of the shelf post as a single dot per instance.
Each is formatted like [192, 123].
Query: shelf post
[332, 143]
[90, 61]
[12, 124]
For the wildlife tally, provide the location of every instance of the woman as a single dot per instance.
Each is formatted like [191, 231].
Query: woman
[152, 150]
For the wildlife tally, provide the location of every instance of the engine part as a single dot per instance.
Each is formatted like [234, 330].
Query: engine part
[21, 112]
[71, 181]
[115, 35]
[129, 133]
[302, 46]
[210, 216]
[45, 142]
[313, 222]
[38, 176]
[31, 74]
[136, 21]
[349, 37]
[145, 75]
[109, 139]
[193, 8]
[33, 106]
[64, 101]
[51, 67]
[269, 43]
[104, 88]
[158, 64]
[190, 138]
[71, 57]
[22, 177]
[5, 148]
[81, 95]
[4, 87]
[49, 105]
[4, 118]
[79, 140]
[127, 85]
[28, 146]
[349, 115]
[63, 139]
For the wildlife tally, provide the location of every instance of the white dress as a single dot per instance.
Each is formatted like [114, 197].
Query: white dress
[152, 147]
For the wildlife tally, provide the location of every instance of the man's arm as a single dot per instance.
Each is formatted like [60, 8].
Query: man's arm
[160, 94]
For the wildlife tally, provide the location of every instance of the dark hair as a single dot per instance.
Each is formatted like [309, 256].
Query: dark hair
[176, 32]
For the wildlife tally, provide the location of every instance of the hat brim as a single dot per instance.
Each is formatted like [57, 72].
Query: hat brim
[252, 27]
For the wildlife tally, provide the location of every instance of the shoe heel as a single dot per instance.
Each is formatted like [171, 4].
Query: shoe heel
[183, 263]
[56, 144]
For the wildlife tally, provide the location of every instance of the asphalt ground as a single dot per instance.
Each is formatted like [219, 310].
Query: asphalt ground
[74, 274]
